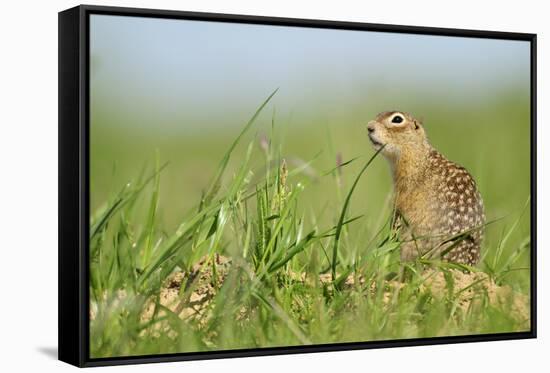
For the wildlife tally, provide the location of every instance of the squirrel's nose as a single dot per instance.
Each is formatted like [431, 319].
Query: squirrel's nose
[371, 126]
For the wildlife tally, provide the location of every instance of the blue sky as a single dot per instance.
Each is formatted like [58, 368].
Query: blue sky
[192, 71]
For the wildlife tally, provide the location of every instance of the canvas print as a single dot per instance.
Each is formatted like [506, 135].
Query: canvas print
[256, 186]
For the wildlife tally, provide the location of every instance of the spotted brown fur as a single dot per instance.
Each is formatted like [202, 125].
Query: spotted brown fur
[439, 210]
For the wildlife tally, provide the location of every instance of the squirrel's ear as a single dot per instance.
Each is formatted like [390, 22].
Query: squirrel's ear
[418, 123]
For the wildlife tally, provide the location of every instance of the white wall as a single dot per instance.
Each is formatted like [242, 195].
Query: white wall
[28, 182]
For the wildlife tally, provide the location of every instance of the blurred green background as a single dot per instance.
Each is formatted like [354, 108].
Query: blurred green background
[185, 89]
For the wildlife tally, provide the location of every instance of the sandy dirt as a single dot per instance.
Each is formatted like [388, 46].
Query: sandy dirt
[188, 294]
[468, 286]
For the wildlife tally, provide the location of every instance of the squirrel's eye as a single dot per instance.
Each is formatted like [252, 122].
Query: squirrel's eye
[397, 119]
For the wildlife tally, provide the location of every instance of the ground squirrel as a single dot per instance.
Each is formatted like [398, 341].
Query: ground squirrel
[438, 209]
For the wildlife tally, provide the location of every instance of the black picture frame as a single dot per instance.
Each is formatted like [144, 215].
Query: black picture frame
[74, 183]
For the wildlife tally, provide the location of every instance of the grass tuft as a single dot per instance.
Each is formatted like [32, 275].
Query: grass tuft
[250, 267]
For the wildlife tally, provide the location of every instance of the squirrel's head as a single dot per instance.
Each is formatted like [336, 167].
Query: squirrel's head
[398, 131]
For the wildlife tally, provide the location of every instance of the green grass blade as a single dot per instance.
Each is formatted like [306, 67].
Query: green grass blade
[150, 226]
[503, 242]
[341, 220]
[225, 160]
